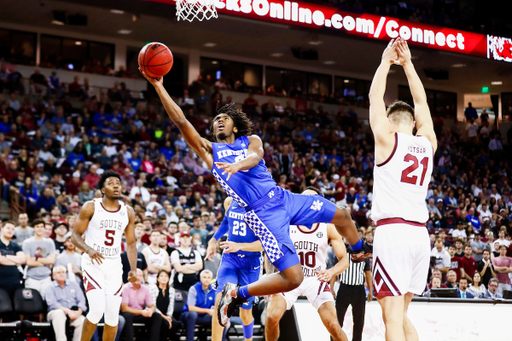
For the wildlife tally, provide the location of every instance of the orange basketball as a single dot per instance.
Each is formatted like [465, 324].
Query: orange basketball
[155, 59]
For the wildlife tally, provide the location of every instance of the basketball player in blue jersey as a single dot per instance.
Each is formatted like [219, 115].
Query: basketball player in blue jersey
[235, 159]
[241, 267]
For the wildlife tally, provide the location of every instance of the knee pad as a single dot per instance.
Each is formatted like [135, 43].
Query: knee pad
[248, 330]
[112, 310]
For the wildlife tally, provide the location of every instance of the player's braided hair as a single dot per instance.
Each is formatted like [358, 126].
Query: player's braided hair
[240, 119]
[104, 176]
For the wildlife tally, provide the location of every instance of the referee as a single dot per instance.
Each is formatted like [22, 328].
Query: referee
[351, 292]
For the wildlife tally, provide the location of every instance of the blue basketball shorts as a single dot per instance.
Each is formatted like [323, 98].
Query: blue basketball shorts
[239, 269]
[271, 216]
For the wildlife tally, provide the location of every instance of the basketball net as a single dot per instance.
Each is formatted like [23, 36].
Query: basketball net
[195, 9]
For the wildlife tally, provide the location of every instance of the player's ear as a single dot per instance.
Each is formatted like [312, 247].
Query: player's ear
[235, 129]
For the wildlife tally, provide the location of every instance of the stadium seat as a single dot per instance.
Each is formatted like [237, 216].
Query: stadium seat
[29, 302]
[180, 298]
[5, 303]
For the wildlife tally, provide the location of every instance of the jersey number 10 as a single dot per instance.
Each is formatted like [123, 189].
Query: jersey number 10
[239, 229]
[414, 179]
[307, 259]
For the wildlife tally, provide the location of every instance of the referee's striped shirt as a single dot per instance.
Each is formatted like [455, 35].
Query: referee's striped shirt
[354, 275]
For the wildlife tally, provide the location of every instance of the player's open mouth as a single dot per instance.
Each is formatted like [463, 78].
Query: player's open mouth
[221, 126]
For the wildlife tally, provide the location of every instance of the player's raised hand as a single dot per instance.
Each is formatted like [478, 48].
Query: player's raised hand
[95, 256]
[229, 168]
[154, 81]
[323, 275]
[403, 52]
[389, 55]
[132, 276]
[230, 247]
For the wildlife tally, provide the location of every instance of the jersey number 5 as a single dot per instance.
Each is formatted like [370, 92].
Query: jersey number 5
[109, 235]
[239, 229]
[415, 164]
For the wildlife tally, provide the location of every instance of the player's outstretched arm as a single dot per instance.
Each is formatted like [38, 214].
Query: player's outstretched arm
[201, 146]
[230, 247]
[81, 224]
[341, 253]
[254, 156]
[379, 121]
[131, 245]
[222, 230]
[424, 123]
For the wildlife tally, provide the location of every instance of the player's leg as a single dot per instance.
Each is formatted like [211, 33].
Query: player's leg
[276, 308]
[327, 313]
[217, 328]
[249, 273]
[410, 332]
[247, 321]
[343, 300]
[113, 291]
[94, 283]
[393, 316]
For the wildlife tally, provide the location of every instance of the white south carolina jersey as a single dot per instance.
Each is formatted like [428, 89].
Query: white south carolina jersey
[401, 182]
[155, 259]
[105, 230]
[311, 245]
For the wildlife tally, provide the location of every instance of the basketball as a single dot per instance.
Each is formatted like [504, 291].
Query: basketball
[155, 59]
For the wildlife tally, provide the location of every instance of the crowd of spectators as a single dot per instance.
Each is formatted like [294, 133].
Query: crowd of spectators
[52, 154]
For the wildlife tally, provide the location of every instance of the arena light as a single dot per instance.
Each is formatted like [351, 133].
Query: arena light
[329, 62]
[485, 89]
[124, 31]
[210, 44]
[346, 81]
[458, 65]
[57, 22]
[214, 62]
[116, 11]
[315, 42]
[277, 54]
[497, 83]
[78, 42]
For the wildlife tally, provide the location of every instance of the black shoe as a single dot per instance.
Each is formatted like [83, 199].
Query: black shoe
[229, 300]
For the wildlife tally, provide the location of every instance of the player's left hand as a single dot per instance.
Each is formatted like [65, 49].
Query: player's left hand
[229, 168]
[324, 275]
[230, 247]
[370, 297]
[132, 276]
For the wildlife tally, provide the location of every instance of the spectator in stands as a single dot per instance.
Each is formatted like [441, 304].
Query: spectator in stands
[485, 267]
[477, 288]
[70, 258]
[163, 294]
[139, 233]
[65, 301]
[86, 193]
[137, 306]
[156, 258]
[60, 230]
[40, 256]
[468, 263]
[455, 263]
[462, 291]
[186, 263]
[54, 85]
[75, 89]
[442, 257]
[503, 267]
[23, 231]
[451, 279]
[492, 291]
[435, 283]
[470, 112]
[139, 189]
[93, 177]
[128, 179]
[45, 201]
[478, 246]
[11, 257]
[38, 83]
[199, 307]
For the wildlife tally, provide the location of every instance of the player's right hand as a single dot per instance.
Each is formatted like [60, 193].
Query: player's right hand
[155, 82]
[210, 251]
[132, 276]
[389, 55]
[95, 256]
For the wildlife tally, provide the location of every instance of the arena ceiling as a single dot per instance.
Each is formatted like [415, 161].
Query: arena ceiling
[236, 36]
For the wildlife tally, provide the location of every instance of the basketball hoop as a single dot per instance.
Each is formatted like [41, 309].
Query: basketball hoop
[196, 9]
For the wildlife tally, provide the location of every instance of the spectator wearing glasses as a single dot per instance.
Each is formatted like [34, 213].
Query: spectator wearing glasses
[492, 291]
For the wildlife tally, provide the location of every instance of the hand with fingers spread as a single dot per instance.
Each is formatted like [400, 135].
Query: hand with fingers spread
[154, 81]
[323, 275]
[389, 55]
[229, 168]
[230, 247]
[402, 51]
[95, 256]
[132, 276]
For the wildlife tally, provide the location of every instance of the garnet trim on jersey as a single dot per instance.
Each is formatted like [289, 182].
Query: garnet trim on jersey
[119, 291]
[325, 286]
[110, 211]
[308, 232]
[89, 279]
[398, 221]
[392, 153]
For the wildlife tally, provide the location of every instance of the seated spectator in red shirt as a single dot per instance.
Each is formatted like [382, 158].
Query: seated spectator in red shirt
[468, 264]
[200, 186]
[455, 263]
[73, 186]
[92, 178]
[75, 89]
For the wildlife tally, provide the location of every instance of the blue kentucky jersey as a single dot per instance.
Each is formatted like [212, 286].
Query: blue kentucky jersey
[239, 231]
[245, 187]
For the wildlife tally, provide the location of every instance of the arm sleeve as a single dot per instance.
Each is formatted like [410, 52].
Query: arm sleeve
[153, 290]
[50, 298]
[446, 260]
[222, 230]
[170, 308]
[192, 296]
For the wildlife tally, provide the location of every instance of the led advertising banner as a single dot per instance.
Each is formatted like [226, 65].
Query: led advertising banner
[367, 25]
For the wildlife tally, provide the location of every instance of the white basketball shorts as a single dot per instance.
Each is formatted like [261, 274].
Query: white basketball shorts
[106, 277]
[401, 257]
[316, 291]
